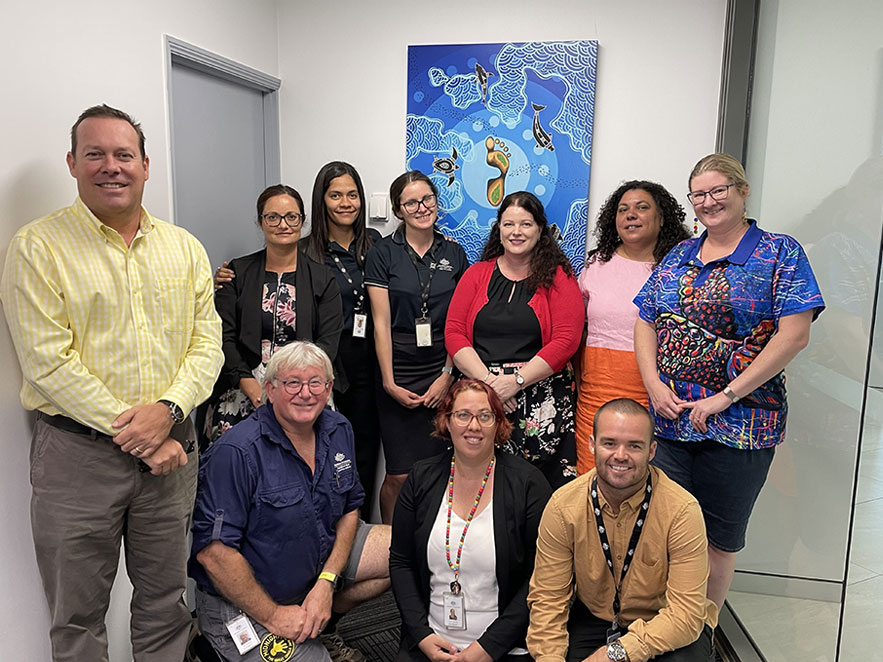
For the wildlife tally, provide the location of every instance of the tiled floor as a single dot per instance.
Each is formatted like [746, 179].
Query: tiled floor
[794, 630]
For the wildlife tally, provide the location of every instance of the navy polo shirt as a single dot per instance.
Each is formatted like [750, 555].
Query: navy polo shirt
[257, 495]
[347, 258]
[389, 266]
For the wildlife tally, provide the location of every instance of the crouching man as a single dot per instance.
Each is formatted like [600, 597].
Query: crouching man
[277, 540]
[631, 544]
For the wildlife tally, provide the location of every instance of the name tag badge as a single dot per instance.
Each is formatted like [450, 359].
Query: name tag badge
[424, 332]
[243, 634]
[455, 613]
[613, 633]
[360, 323]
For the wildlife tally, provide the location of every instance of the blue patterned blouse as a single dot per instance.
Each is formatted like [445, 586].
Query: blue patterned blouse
[713, 319]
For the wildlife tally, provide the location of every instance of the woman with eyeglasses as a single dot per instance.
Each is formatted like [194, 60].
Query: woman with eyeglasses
[464, 538]
[718, 321]
[515, 322]
[278, 294]
[410, 276]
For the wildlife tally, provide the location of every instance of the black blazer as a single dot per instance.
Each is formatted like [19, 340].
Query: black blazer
[318, 307]
[520, 494]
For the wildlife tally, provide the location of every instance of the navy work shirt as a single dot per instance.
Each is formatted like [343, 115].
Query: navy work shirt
[257, 495]
[389, 266]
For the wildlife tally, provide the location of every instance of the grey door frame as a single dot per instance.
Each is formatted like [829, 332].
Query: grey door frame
[178, 52]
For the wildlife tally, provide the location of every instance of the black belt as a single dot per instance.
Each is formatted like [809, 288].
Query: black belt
[70, 425]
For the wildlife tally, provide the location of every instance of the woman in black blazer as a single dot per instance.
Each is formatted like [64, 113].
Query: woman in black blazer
[277, 295]
[443, 577]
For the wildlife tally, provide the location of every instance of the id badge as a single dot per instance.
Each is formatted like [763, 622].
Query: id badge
[424, 332]
[455, 613]
[613, 633]
[360, 323]
[243, 634]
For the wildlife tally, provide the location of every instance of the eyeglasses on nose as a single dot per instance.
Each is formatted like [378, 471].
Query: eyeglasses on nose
[427, 201]
[463, 417]
[295, 386]
[292, 220]
[718, 193]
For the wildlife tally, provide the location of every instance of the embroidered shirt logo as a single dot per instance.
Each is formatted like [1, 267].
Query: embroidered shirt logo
[444, 265]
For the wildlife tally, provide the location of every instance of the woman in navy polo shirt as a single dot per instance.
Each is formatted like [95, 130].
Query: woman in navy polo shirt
[410, 276]
[719, 319]
[340, 238]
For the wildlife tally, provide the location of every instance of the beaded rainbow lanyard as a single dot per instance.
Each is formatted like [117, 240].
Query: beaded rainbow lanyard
[455, 585]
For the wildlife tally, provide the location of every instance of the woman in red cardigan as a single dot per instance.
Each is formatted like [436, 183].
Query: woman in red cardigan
[515, 320]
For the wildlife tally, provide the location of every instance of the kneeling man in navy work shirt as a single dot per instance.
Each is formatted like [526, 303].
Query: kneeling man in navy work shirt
[277, 540]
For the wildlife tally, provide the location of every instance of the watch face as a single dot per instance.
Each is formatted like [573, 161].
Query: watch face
[519, 379]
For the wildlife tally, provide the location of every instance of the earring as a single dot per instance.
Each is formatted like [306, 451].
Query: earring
[695, 225]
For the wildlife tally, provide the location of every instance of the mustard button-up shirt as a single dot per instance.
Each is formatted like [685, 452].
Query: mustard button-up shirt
[663, 596]
[99, 326]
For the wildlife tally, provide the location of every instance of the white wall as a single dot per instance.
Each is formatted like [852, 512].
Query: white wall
[59, 58]
[344, 70]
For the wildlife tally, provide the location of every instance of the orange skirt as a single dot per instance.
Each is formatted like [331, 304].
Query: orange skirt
[606, 374]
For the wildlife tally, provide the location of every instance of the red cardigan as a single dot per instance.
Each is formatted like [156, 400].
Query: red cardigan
[559, 310]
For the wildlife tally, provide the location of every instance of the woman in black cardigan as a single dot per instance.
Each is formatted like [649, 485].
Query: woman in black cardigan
[442, 576]
[277, 295]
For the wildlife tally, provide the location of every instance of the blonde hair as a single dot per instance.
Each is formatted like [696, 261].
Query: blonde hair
[298, 355]
[725, 164]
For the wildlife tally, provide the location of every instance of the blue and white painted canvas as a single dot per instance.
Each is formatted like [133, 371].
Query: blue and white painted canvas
[486, 120]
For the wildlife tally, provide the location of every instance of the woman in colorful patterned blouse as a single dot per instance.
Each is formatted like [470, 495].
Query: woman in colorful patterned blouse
[515, 322]
[637, 226]
[719, 319]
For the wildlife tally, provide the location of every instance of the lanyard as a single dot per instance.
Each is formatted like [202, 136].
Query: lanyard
[455, 565]
[424, 287]
[358, 293]
[633, 541]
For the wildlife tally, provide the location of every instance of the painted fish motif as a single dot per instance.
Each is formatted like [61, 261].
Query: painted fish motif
[446, 165]
[544, 140]
[481, 77]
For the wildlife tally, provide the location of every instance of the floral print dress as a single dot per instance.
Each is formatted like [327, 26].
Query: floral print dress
[278, 325]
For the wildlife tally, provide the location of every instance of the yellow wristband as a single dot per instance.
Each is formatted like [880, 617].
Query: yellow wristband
[331, 577]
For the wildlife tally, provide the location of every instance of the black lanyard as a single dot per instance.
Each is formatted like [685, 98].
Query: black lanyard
[358, 293]
[424, 286]
[633, 541]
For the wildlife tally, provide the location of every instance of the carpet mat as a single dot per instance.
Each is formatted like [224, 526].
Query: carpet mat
[374, 628]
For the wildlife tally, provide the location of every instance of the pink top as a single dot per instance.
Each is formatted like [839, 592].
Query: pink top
[558, 309]
[608, 289]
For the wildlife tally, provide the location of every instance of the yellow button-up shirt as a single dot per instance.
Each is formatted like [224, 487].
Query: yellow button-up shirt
[663, 596]
[99, 326]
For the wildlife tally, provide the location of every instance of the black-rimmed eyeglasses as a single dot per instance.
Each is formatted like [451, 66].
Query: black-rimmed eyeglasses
[292, 220]
[717, 193]
[428, 201]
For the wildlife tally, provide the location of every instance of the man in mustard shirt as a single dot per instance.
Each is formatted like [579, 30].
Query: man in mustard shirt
[631, 544]
[113, 321]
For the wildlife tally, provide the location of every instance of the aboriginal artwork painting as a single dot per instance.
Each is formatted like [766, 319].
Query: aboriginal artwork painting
[486, 120]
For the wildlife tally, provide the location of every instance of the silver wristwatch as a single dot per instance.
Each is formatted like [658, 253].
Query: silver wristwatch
[175, 411]
[616, 652]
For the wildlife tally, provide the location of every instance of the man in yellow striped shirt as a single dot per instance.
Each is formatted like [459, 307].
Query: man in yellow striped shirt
[114, 324]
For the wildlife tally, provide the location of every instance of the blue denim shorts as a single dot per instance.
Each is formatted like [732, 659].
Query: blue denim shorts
[725, 481]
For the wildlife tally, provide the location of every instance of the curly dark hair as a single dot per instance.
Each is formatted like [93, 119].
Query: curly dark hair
[672, 232]
[547, 255]
[317, 241]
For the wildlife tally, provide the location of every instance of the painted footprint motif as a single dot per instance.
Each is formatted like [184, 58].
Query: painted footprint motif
[497, 157]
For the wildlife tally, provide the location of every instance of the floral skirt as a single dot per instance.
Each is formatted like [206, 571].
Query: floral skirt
[543, 429]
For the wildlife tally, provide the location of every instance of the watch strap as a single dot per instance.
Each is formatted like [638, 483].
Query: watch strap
[729, 393]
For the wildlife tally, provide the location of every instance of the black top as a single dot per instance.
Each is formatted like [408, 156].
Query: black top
[348, 260]
[520, 494]
[389, 266]
[318, 309]
[507, 330]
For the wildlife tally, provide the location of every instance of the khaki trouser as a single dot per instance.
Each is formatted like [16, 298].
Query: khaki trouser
[87, 497]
